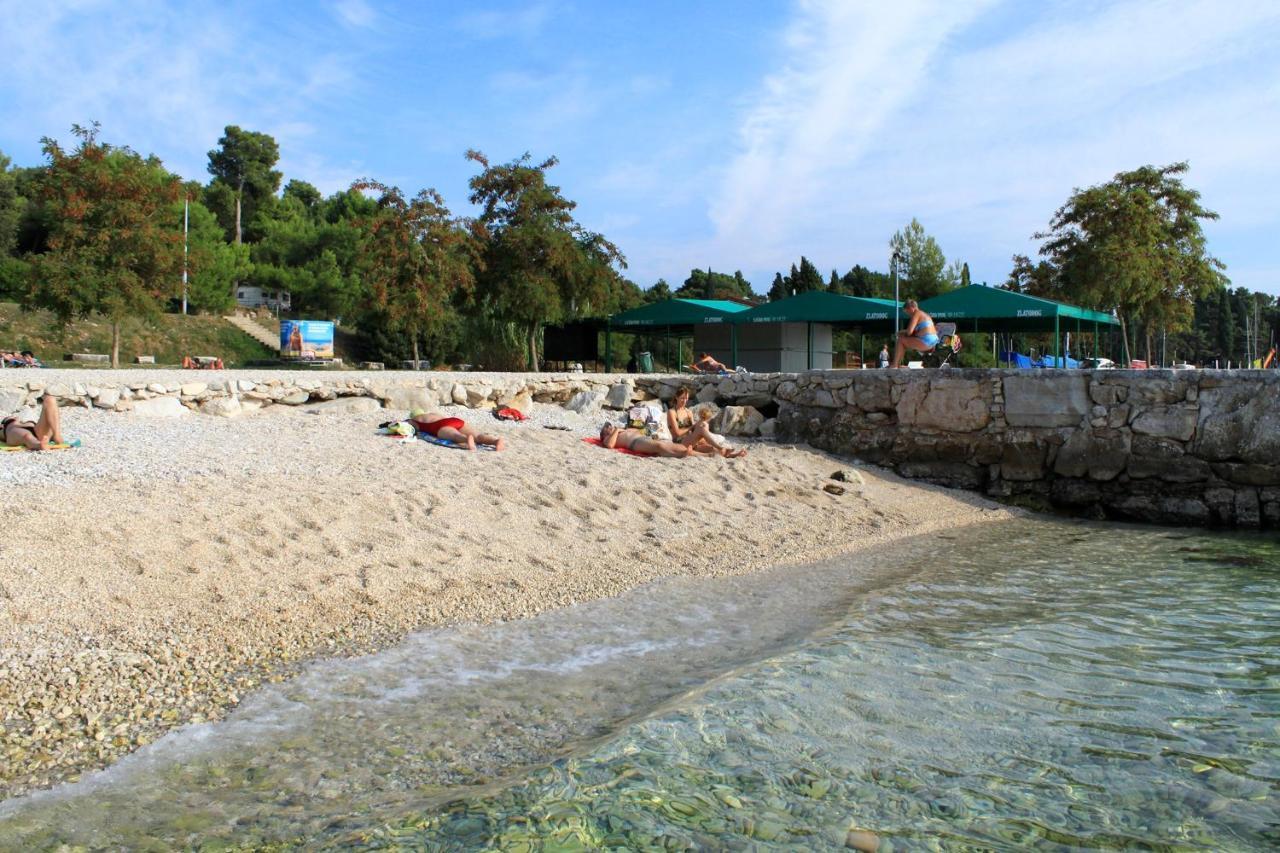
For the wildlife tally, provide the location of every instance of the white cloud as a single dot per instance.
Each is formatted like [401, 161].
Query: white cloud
[878, 116]
[525, 23]
[355, 13]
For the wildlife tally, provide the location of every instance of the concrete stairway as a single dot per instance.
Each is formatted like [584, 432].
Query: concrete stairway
[255, 330]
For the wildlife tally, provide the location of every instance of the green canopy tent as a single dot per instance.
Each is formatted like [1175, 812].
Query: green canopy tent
[997, 310]
[822, 307]
[680, 315]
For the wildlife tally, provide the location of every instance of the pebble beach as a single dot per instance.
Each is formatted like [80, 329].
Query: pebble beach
[155, 575]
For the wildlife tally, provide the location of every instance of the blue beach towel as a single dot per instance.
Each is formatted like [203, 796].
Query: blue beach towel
[444, 442]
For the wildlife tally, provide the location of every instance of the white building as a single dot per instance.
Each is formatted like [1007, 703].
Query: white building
[248, 296]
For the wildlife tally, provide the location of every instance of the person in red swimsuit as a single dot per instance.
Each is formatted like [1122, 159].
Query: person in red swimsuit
[453, 429]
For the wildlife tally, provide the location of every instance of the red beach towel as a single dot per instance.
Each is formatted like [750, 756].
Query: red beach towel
[598, 443]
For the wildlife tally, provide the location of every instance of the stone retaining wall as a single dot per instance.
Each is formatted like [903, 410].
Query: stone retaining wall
[1182, 447]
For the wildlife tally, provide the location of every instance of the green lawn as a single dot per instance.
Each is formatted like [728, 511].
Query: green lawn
[168, 337]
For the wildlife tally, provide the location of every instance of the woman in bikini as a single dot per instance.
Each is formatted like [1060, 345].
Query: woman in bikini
[456, 430]
[920, 334]
[38, 435]
[699, 435]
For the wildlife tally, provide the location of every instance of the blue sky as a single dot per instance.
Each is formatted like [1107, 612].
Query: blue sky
[725, 134]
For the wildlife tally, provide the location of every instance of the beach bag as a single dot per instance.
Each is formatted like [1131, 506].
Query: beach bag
[639, 417]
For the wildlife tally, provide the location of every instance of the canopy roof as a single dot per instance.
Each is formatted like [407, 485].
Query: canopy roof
[678, 312]
[820, 306]
[1004, 310]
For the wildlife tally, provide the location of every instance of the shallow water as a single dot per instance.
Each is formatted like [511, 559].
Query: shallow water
[1035, 684]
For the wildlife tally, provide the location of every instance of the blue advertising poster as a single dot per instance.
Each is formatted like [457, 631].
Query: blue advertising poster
[306, 339]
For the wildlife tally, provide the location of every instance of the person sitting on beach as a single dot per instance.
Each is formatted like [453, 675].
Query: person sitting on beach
[684, 431]
[612, 435]
[438, 425]
[920, 335]
[704, 363]
[38, 435]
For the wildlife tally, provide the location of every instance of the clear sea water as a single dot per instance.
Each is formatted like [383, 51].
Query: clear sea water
[1032, 684]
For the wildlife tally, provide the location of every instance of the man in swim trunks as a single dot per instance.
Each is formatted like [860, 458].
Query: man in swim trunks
[38, 435]
[920, 335]
[456, 430]
[611, 435]
[706, 364]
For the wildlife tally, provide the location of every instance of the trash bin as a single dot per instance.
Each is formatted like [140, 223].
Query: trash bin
[645, 362]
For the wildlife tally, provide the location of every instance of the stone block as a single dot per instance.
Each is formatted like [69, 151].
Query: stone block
[222, 407]
[406, 398]
[739, 420]
[107, 398]
[957, 475]
[1097, 454]
[1051, 400]
[1248, 474]
[1248, 510]
[194, 389]
[870, 392]
[144, 359]
[1023, 460]
[586, 402]
[619, 395]
[160, 407]
[11, 399]
[950, 405]
[1177, 422]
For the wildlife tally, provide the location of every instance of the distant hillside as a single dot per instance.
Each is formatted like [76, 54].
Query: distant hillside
[169, 337]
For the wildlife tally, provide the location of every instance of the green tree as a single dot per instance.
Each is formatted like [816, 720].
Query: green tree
[778, 290]
[965, 281]
[923, 267]
[242, 165]
[11, 207]
[806, 278]
[1134, 245]
[540, 266]
[706, 284]
[660, 292]
[306, 195]
[863, 282]
[419, 261]
[113, 246]
[214, 265]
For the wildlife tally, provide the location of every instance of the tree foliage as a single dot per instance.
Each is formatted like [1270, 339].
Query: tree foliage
[540, 265]
[706, 284]
[244, 176]
[1134, 245]
[114, 247]
[417, 262]
[922, 267]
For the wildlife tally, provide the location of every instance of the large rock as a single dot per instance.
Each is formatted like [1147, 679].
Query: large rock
[477, 395]
[407, 398]
[619, 395]
[1176, 422]
[1099, 456]
[107, 398]
[295, 397]
[707, 393]
[194, 389]
[521, 402]
[739, 420]
[951, 405]
[586, 402]
[11, 399]
[222, 407]
[160, 407]
[1051, 400]
[349, 406]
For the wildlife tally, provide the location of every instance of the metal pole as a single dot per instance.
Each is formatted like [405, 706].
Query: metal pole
[809, 347]
[186, 214]
[1057, 331]
[733, 343]
[897, 310]
[608, 349]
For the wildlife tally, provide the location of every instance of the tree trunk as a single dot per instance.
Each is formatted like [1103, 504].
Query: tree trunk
[415, 352]
[533, 347]
[1146, 331]
[1124, 335]
[239, 195]
[115, 345]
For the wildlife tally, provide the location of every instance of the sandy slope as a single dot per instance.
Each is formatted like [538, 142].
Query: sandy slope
[194, 558]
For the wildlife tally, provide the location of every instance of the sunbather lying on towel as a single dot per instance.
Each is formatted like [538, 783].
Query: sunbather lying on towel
[612, 435]
[453, 429]
[38, 435]
[704, 363]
